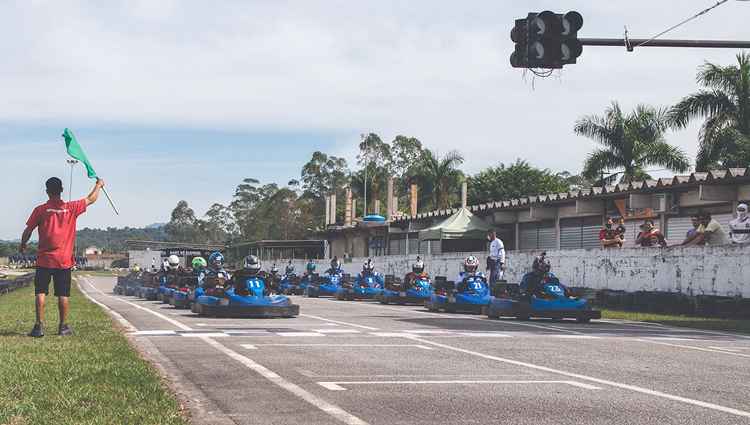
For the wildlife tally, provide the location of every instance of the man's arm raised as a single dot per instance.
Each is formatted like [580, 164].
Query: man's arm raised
[94, 193]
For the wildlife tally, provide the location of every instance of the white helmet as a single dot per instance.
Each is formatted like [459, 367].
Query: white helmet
[174, 262]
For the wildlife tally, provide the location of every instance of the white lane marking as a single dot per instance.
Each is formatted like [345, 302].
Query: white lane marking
[157, 314]
[117, 316]
[299, 334]
[488, 334]
[255, 346]
[387, 334]
[709, 349]
[337, 385]
[154, 333]
[333, 331]
[207, 335]
[340, 323]
[318, 402]
[592, 379]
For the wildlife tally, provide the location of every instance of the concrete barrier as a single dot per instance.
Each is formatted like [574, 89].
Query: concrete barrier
[8, 285]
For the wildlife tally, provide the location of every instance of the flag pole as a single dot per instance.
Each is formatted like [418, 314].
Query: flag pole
[110, 200]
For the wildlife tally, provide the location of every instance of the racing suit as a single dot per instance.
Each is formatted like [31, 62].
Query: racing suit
[532, 284]
[240, 278]
[463, 278]
[361, 279]
[412, 278]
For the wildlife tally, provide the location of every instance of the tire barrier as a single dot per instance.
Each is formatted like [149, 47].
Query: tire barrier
[9, 285]
[659, 302]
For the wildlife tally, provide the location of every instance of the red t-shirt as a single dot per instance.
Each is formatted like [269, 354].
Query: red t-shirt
[57, 232]
[609, 234]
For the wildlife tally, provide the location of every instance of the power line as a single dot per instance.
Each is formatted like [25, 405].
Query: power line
[687, 20]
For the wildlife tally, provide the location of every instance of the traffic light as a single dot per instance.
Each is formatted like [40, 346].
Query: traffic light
[551, 39]
[520, 36]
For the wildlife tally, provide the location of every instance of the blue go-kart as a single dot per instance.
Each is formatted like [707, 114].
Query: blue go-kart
[471, 296]
[180, 297]
[255, 304]
[419, 292]
[324, 286]
[367, 289]
[294, 286]
[550, 303]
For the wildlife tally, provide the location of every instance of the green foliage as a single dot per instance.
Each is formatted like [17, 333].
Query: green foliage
[725, 135]
[112, 239]
[11, 248]
[631, 143]
[517, 180]
[439, 178]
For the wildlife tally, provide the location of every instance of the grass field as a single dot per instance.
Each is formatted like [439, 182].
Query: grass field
[92, 377]
[741, 326]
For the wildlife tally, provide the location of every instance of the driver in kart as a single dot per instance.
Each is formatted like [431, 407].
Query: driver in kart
[170, 272]
[368, 270]
[417, 274]
[533, 282]
[309, 274]
[199, 269]
[216, 275]
[335, 269]
[469, 274]
[250, 270]
[289, 277]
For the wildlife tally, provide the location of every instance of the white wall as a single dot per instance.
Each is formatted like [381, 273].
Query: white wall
[692, 270]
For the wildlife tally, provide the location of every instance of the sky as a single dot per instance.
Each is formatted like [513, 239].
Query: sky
[182, 100]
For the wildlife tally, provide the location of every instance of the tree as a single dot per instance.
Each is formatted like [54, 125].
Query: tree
[514, 181]
[631, 143]
[436, 175]
[183, 227]
[725, 135]
[219, 225]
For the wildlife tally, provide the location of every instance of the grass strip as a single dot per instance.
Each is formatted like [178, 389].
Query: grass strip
[725, 325]
[92, 377]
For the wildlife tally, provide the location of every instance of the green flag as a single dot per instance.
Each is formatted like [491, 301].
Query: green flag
[74, 150]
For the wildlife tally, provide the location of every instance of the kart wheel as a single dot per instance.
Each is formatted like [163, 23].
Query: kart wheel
[222, 301]
[340, 296]
[450, 300]
[582, 320]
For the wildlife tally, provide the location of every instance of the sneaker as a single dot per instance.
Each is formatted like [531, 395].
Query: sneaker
[37, 332]
[65, 330]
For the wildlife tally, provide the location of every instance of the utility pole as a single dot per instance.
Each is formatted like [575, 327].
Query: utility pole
[72, 162]
[364, 212]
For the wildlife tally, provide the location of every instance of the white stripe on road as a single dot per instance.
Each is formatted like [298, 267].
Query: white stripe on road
[340, 323]
[321, 404]
[337, 386]
[255, 346]
[709, 349]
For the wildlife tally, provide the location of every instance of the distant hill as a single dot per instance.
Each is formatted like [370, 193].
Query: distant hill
[112, 239]
[155, 225]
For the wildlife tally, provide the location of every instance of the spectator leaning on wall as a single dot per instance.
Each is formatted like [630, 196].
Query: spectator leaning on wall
[609, 236]
[739, 228]
[696, 222]
[709, 230]
[644, 238]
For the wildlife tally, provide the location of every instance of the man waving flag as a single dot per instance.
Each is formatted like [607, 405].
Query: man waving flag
[74, 150]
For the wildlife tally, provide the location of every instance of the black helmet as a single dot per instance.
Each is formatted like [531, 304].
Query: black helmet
[541, 264]
[336, 264]
[368, 266]
[310, 267]
[251, 262]
[418, 266]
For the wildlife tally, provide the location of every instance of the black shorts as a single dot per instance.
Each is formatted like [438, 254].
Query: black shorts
[61, 278]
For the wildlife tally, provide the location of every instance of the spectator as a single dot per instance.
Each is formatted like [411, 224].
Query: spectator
[658, 240]
[739, 228]
[496, 259]
[620, 230]
[608, 236]
[644, 238]
[696, 222]
[709, 230]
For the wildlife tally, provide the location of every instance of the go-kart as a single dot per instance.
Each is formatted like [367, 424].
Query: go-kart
[550, 302]
[148, 287]
[418, 292]
[325, 286]
[179, 297]
[473, 295]
[295, 285]
[252, 301]
[120, 285]
[367, 289]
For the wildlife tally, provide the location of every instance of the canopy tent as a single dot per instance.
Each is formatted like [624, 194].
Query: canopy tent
[461, 225]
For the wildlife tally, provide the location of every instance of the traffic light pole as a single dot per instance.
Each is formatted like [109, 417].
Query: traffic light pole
[631, 43]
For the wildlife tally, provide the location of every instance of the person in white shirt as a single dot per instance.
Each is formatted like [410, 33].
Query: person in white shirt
[496, 259]
[739, 228]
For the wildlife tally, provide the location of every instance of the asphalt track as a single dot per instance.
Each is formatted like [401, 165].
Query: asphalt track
[360, 362]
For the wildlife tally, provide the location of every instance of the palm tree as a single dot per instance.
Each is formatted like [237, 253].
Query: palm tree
[725, 135]
[631, 142]
[436, 174]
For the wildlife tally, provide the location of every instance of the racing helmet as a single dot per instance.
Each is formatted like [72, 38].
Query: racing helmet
[471, 264]
[135, 269]
[173, 261]
[369, 266]
[310, 267]
[251, 262]
[274, 270]
[418, 266]
[289, 268]
[216, 257]
[199, 263]
[541, 264]
[336, 264]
